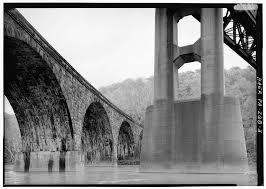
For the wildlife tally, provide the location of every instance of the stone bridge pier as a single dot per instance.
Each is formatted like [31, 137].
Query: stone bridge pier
[199, 135]
[65, 123]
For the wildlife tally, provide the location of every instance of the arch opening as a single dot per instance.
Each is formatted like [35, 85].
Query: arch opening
[12, 136]
[188, 29]
[36, 97]
[189, 81]
[96, 138]
[125, 146]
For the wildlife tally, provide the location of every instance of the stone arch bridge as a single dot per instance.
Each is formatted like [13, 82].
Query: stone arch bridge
[64, 121]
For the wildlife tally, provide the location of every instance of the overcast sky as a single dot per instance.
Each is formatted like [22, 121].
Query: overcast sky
[110, 45]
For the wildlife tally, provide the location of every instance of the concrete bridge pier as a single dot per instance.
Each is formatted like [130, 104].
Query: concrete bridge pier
[160, 125]
[212, 85]
[222, 141]
[199, 135]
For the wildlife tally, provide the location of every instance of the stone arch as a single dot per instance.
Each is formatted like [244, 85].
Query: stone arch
[125, 146]
[36, 98]
[96, 137]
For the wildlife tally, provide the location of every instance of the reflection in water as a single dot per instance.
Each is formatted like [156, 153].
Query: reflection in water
[116, 175]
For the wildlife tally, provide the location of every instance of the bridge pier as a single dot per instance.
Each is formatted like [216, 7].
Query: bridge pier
[162, 112]
[194, 136]
[48, 161]
[212, 85]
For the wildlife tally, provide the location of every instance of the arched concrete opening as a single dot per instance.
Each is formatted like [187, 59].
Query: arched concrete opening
[189, 81]
[188, 61]
[96, 138]
[188, 29]
[37, 100]
[125, 146]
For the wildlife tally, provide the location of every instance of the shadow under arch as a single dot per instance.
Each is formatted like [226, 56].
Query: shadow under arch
[140, 140]
[96, 137]
[37, 99]
[125, 146]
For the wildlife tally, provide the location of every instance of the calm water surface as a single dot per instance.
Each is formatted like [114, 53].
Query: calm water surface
[116, 175]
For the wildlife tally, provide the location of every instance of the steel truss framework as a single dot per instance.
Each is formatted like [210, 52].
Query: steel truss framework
[240, 34]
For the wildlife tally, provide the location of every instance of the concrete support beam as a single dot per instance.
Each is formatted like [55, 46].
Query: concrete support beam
[186, 54]
[186, 11]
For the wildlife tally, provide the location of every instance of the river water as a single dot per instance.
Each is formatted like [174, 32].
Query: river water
[128, 174]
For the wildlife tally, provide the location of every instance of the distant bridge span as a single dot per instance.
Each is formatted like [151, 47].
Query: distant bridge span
[63, 119]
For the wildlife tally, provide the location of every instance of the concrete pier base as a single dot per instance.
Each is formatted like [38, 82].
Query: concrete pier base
[190, 141]
[157, 139]
[49, 161]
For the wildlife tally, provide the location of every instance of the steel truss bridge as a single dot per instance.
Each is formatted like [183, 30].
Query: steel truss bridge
[240, 32]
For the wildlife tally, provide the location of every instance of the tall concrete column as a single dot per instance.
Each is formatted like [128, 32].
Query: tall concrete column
[175, 52]
[212, 67]
[162, 118]
[212, 87]
[163, 67]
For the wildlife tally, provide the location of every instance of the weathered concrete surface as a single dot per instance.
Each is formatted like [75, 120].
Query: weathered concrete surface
[163, 65]
[212, 67]
[49, 98]
[212, 86]
[163, 88]
[190, 140]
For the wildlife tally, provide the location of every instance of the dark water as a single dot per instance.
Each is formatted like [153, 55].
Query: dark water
[117, 175]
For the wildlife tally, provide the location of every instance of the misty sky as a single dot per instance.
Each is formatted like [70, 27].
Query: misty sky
[110, 45]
